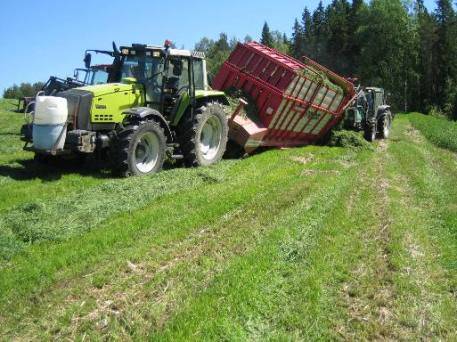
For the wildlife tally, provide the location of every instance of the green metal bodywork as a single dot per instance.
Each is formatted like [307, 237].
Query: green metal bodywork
[184, 102]
[366, 109]
[111, 100]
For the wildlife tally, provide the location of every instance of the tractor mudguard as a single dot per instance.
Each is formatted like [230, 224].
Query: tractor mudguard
[382, 110]
[201, 96]
[141, 113]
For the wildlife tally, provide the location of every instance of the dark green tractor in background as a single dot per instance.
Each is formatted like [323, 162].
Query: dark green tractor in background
[370, 113]
[163, 109]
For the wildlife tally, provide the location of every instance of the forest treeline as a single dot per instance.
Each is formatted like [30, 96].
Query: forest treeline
[24, 89]
[398, 45]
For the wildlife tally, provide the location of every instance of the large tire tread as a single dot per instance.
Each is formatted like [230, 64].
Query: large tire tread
[122, 147]
[189, 133]
[383, 133]
[370, 132]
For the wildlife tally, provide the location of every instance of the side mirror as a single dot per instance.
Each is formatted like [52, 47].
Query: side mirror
[75, 74]
[87, 60]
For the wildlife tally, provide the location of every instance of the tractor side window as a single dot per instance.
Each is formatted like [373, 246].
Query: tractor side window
[147, 71]
[178, 74]
[100, 77]
[81, 75]
[199, 74]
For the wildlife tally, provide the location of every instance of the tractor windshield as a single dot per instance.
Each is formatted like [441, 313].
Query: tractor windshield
[98, 76]
[148, 71]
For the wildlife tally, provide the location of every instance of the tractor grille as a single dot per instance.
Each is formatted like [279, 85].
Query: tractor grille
[103, 117]
[79, 105]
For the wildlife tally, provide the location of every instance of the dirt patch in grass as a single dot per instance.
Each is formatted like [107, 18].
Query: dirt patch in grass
[303, 159]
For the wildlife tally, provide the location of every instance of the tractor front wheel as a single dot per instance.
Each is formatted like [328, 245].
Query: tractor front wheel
[370, 132]
[139, 149]
[203, 138]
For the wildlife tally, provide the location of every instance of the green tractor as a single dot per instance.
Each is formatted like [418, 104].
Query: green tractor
[370, 113]
[163, 109]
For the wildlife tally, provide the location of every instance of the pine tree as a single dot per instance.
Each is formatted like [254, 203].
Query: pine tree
[385, 36]
[267, 38]
[446, 56]
[338, 35]
[319, 34]
[356, 15]
[297, 40]
[307, 23]
[427, 39]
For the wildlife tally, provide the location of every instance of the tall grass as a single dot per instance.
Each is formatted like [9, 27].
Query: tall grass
[439, 131]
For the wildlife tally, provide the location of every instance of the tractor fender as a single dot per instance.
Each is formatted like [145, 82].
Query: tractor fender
[185, 106]
[142, 113]
[216, 98]
[383, 111]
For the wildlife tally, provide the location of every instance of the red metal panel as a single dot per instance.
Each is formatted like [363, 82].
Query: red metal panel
[287, 101]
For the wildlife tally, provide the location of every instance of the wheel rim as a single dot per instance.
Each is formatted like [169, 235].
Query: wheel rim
[147, 152]
[210, 138]
[386, 128]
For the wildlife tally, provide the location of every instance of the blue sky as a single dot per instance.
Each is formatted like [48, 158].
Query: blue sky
[40, 38]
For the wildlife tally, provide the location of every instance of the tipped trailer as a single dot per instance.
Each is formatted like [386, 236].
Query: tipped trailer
[296, 103]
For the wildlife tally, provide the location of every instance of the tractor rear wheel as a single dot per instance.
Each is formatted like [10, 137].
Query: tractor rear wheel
[203, 138]
[139, 149]
[385, 123]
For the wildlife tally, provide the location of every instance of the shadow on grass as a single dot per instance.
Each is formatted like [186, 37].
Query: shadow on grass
[29, 169]
[17, 134]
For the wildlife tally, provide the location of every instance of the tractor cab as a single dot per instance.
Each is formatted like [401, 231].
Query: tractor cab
[168, 76]
[375, 99]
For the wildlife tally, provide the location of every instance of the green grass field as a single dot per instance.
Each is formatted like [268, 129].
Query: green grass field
[310, 243]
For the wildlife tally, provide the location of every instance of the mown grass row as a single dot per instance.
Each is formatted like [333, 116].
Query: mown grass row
[311, 243]
[75, 213]
[440, 131]
[294, 272]
[376, 262]
[124, 228]
[21, 180]
[422, 200]
[272, 180]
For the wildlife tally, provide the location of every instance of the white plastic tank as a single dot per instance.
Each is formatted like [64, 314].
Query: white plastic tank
[49, 122]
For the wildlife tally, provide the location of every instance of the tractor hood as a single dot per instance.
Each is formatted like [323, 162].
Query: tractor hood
[108, 88]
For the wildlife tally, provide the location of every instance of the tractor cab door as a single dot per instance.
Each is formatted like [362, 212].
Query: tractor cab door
[177, 83]
[378, 99]
[370, 112]
[148, 71]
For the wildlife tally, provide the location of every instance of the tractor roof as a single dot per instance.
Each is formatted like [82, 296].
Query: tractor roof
[101, 66]
[376, 89]
[125, 50]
